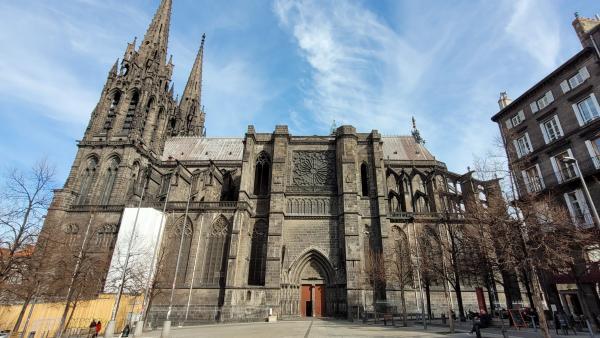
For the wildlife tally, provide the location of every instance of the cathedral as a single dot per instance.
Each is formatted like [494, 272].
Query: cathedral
[268, 222]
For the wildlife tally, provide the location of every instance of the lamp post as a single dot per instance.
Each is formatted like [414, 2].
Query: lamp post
[572, 160]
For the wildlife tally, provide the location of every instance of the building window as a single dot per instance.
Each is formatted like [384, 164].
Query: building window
[551, 129]
[261, 174]
[523, 145]
[128, 123]
[564, 171]
[533, 179]
[109, 183]
[105, 236]
[258, 254]
[213, 273]
[542, 102]
[71, 231]
[575, 80]
[421, 204]
[587, 110]
[164, 185]
[364, 179]
[88, 177]
[578, 209]
[516, 119]
[593, 147]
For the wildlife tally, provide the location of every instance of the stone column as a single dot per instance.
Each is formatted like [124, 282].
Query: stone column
[276, 214]
[346, 145]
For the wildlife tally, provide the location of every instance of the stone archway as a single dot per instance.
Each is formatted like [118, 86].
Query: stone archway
[312, 275]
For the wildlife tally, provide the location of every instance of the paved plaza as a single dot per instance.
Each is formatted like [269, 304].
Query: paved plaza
[326, 328]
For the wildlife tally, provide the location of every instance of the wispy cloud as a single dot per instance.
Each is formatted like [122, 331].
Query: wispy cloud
[535, 27]
[360, 67]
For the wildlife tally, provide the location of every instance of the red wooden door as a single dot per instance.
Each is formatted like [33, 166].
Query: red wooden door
[319, 300]
[304, 298]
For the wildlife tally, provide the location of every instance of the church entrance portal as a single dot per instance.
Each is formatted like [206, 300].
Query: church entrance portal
[312, 300]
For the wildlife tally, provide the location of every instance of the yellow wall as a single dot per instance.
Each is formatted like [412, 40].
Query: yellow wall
[46, 316]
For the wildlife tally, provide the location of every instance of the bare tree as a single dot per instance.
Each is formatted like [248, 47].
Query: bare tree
[401, 270]
[24, 199]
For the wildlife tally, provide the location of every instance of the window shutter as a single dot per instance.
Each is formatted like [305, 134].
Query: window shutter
[565, 86]
[544, 133]
[555, 168]
[529, 145]
[584, 207]
[521, 115]
[549, 96]
[584, 73]
[570, 207]
[516, 144]
[537, 166]
[533, 106]
[509, 123]
[526, 181]
[593, 96]
[577, 115]
[559, 126]
[593, 155]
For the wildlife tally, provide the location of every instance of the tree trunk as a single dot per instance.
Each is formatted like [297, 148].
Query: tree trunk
[21, 314]
[449, 307]
[537, 300]
[63, 318]
[71, 315]
[428, 296]
[528, 283]
[403, 303]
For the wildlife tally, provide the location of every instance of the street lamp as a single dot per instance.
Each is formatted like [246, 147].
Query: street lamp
[572, 160]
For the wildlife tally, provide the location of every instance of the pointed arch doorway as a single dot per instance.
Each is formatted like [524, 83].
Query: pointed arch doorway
[313, 273]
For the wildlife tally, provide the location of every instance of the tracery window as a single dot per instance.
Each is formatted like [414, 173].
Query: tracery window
[147, 113]
[111, 175]
[105, 235]
[213, 273]
[175, 237]
[262, 174]
[88, 177]
[258, 254]
[71, 231]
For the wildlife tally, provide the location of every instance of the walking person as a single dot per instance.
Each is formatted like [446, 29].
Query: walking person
[125, 332]
[92, 328]
[98, 328]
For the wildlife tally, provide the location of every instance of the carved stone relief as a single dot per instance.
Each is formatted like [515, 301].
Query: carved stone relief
[311, 206]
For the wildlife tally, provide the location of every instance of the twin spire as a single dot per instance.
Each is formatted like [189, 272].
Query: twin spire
[154, 48]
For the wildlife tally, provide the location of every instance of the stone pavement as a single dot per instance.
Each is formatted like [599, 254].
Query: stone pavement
[329, 328]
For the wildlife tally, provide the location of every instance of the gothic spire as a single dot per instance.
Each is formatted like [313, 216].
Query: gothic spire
[156, 39]
[190, 101]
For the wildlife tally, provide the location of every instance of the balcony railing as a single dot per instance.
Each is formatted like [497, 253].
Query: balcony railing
[567, 173]
[534, 184]
[427, 215]
[220, 205]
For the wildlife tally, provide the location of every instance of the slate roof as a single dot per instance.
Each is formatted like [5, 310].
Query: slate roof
[404, 148]
[193, 148]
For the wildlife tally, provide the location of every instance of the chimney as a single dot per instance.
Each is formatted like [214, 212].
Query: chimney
[583, 26]
[504, 100]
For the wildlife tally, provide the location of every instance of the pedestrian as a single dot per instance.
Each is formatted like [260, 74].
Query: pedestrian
[125, 332]
[92, 330]
[476, 321]
[98, 328]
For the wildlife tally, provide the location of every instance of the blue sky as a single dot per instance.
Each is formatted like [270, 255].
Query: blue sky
[373, 64]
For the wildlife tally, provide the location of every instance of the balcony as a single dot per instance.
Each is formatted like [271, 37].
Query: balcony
[219, 205]
[567, 173]
[534, 184]
[426, 216]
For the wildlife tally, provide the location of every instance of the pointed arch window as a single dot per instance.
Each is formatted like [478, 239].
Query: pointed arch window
[258, 254]
[105, 235]
[112, 110]
[128, 123]
[109, 183]
[214, 269]
[175, 237]
[402, 265]
[71, 232]
[421, 204]
[159, 122]
[262, 174]
[87, 179]
[364, 179]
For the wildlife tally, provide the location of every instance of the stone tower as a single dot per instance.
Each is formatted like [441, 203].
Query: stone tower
[118, 158]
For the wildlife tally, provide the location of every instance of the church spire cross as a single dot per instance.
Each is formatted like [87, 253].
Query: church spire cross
[156, 39]
[191, 99]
